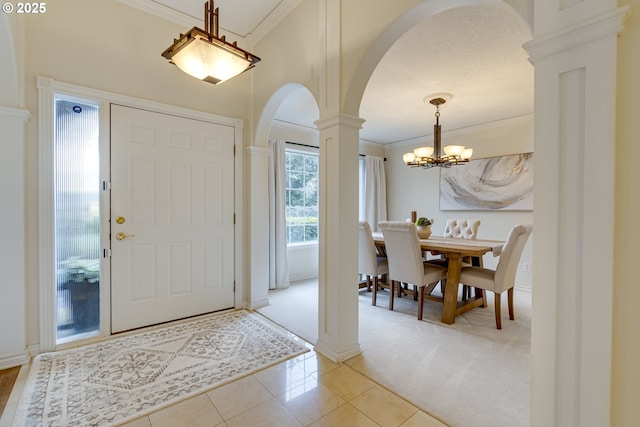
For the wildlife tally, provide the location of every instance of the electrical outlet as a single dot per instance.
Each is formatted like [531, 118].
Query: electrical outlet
[526, 267]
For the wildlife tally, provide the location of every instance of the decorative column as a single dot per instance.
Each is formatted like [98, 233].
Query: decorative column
[12, 245]
[338, 250]
[574, 53]
[338, 199]
[258, 262]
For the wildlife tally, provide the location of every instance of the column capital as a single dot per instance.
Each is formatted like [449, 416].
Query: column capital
[577, 34]
[339, 119]
[254, 150]
[15, 113]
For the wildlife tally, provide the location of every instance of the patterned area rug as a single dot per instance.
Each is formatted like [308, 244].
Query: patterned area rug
[121, 379]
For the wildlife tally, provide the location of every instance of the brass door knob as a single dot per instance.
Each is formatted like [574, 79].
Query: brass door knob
[120, 220]
[122, 236]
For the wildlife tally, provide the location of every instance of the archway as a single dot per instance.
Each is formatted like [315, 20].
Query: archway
[429, 13]
[421, 12]
[288, 116]
[572, 338]
[271, 108]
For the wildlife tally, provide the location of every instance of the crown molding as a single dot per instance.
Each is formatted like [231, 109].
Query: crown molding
[188, 21]
[164, 12]
[272, 20]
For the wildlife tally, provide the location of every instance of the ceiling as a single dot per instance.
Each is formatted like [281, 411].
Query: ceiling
[474, 53]
[244, 21]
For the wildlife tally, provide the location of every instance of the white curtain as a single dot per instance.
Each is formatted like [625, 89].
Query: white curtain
[375, 190]
[361, 191]
[278, 265]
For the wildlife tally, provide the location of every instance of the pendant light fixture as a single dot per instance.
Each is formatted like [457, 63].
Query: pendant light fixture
[428, 157]
[206, 55]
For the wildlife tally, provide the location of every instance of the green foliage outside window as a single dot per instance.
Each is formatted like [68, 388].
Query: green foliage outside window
[301, 197]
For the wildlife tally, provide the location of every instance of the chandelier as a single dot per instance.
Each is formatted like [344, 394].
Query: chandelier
[428, 157]
[207, 56]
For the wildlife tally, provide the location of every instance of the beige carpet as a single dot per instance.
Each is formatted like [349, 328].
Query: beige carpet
[121, 379]
[466, 374]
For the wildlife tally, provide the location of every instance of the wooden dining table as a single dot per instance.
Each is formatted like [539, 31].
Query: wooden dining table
[454, 250]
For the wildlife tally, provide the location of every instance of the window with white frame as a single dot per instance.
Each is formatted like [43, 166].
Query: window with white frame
[301, 169]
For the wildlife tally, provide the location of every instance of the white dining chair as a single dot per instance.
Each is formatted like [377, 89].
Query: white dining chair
[460, 229]
[406, 264]
[503, 277]
[370, 264]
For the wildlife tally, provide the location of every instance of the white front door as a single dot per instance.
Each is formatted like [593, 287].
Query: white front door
[172, 217]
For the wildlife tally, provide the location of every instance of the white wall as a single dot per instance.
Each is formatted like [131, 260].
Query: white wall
[303, 261]
[12, 259]
[417, 189]
[13, 319]
[626, 292]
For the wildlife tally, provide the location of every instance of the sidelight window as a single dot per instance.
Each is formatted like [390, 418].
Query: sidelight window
[77, 218]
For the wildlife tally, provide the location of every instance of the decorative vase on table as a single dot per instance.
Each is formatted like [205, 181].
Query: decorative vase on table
[423, 225]
[424, 232]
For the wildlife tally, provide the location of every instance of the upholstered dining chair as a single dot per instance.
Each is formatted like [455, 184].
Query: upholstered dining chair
[370, 264]
[406, 264]
[503, 277]
[461, 229]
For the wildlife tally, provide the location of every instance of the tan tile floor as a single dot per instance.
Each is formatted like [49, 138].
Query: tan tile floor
[308, 390]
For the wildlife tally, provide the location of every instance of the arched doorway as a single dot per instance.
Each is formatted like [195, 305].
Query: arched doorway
[562, 50]
[434, 29]
[293, 294]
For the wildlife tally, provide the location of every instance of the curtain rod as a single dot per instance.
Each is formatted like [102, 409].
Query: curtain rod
[313, 146]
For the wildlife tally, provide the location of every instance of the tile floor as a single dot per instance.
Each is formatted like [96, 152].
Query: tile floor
[308, 390]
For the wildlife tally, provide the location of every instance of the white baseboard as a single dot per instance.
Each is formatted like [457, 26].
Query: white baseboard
[303, 277]
[334, 356]
[33, 350]
[14, 360]
[259, 303]
[520, 288]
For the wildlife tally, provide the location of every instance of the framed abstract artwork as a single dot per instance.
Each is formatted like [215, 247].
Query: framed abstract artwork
[494, 183]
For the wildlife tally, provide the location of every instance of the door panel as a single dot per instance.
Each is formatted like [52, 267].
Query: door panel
[172, 182]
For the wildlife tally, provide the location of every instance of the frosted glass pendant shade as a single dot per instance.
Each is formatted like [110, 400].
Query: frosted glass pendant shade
[207, 61]
[408, 157]
[453, 150]
[423, 151]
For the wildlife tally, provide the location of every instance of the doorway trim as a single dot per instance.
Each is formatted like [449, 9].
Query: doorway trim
[47, 88]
